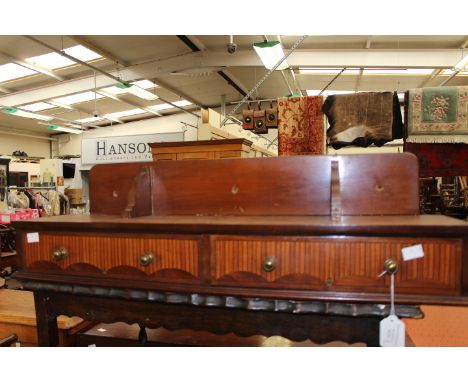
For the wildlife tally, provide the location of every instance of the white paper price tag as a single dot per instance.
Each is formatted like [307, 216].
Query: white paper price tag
[413, 252]
[392, 331]
[32, 237]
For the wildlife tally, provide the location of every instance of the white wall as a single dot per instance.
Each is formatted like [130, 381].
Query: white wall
[30, 168]
[70, 144]
[31, 146]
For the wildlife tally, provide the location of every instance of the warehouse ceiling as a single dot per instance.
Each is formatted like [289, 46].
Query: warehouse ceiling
[72, 79]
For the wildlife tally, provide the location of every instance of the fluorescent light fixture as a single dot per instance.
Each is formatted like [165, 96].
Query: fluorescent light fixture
[144, 84]
[398, 71]
[50, 61]
[64, 129]
[62, 105]
[164, 106]
[367, 71]
[125, 113]
[182, 103]
[82, 53]
[270, 52]
[161, 106]
[26, 114]
[54, 60]
[137, 91]
[90, 119]
[13, 71]
[328, 71]
[79, 97]
[328, 92]
[38, 106]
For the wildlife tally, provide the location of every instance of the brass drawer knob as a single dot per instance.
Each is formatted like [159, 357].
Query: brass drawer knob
[59, 254]
[146, 259]
[391, 266]
[269, 264]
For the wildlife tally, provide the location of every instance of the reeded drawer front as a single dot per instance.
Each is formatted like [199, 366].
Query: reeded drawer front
[146, 255]
[335, 263]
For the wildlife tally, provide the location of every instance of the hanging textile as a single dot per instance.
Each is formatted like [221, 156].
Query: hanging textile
[360, 119]
[440, 159]
[300, 126]
[438, 115]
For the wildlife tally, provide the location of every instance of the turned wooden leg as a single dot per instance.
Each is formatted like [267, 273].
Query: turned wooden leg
[47, 332]
[142, 335]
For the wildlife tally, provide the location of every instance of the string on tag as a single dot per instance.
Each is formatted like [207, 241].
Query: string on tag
[392, 295]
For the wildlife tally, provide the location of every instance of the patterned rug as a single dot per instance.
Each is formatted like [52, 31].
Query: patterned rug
[300, 126]
[440, 159]
[438, 115]
[360, 119]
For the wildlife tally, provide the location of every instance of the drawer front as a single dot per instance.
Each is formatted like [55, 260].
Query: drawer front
[172, 257]
[196, 155]
[335, 264]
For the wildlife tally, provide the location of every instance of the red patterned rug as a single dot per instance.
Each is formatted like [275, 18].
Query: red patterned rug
[300, 126]
[440, 159]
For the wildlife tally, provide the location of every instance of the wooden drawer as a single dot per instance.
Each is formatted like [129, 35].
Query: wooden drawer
[336, 263]
[165, 156]
[174, 257]
[196, 155]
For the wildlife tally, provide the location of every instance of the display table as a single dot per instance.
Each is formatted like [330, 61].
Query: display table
[278, 246]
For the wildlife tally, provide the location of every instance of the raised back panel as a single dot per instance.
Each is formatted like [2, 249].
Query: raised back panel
[262, 186]
[369, 184]
[110, 184]
[380, 184]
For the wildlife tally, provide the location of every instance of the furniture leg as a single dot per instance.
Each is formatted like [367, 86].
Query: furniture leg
[47, 332]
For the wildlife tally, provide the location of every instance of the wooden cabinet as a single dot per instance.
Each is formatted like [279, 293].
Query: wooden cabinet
[212, 149]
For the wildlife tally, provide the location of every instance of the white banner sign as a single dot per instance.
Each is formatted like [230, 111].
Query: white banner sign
[133, 148]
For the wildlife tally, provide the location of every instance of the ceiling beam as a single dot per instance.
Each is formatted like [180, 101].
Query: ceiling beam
[22, 133]
[358, 58]
[438, 58]
[188, 42]
[28, 65]
[197, 42]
